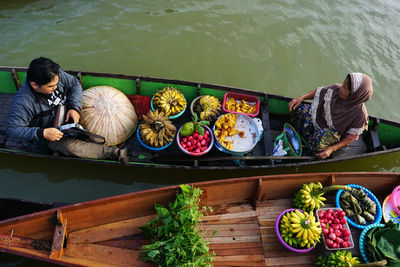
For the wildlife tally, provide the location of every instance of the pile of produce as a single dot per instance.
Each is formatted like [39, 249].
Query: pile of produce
[174, 234]
[195, 138]
[383, 243]
[299, 229]
[207, 107]
[358, 206]
[225, 126]
[170, 100]
[240, 106]
[339, 258]
[156, 129]
[333, 224]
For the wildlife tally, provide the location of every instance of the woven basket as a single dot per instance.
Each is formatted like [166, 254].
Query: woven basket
[106, 111]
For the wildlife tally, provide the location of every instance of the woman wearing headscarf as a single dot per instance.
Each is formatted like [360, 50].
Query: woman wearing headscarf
[337, 115]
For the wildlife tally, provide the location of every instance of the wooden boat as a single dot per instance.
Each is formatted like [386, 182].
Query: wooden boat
[382, 137]
[105, 232]
[12, 207]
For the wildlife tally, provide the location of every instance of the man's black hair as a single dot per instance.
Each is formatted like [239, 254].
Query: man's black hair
[42, 70]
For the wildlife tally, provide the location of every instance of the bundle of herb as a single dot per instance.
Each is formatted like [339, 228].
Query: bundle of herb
[384, 243]
[174, 234]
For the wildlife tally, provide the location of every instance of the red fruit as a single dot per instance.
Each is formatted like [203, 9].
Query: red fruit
[343, 220]
[321, 214]
[330, 211]
[207, 133]
[198, 144]
[337, 221]
[185, 139]
[195, 135]
[323, 220]
[190, 138]
[203, 142]
[183, 145]
[332, 236]
[202, 148]
[331, 230]
[325, 231]
[194, 141]
[342, 213]
[197, 150]
[340, 227]
[329, 243]
[189, 143]
[338, 240]
[334, 245]
[199, 137]
[196, 131]
[346, 232]
[335, 226]
[338, 233]
[323, 225]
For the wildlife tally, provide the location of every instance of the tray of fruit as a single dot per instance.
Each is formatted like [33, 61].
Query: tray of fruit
[241, 104]
[236, 134]
[335, 229]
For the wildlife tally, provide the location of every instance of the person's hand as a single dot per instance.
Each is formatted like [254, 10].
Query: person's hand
[295, 103]
[325, 152]
[72, 114]
[52, 134]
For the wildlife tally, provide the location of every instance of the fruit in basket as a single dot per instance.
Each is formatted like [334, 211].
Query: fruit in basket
[240, 106]
[339, 258]
[333, 224]
[196, 142]
[225, 126]
[189, 127]
[310, 196]
[207, 107]
[156, 130]
[170, 100]
[299, 229]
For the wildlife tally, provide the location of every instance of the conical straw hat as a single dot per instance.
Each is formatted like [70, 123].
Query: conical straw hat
[106, 111]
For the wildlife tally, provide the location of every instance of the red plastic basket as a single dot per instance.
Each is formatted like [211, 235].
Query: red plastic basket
[239, 97]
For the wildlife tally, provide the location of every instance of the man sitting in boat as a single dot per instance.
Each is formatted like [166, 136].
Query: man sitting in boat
[337, 115]
[33, 107]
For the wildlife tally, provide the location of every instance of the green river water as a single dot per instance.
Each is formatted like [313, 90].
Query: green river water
[283, 47]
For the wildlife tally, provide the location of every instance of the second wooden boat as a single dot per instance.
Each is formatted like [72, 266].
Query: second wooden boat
[383, 136]
[105, 232]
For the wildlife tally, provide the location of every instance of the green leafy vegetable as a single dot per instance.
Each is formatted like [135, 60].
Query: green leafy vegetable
[175, 238]
[384, 243]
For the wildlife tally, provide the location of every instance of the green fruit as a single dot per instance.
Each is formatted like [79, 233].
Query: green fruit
[187, 129]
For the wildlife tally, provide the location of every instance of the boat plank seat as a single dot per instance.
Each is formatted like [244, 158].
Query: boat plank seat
[233, 233]
[60, 232]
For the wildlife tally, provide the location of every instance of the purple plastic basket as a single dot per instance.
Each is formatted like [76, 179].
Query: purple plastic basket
[282, 241]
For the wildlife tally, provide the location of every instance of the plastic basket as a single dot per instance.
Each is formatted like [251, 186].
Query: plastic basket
[378, 216]
[362, 238]
[239, 97]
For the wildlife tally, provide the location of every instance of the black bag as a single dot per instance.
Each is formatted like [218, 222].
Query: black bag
[74, 129]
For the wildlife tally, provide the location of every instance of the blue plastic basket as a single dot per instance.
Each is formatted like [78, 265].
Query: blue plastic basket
[149, 147]
[170, 117]
[362, 238]
[378, 216]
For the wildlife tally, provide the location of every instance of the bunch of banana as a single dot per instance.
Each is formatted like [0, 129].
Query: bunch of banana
[240, 106]
[208, 108]
[310, 196]
[169, 100]
[304, 227]
[339, 258]
[285, 229]
[156, 129]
